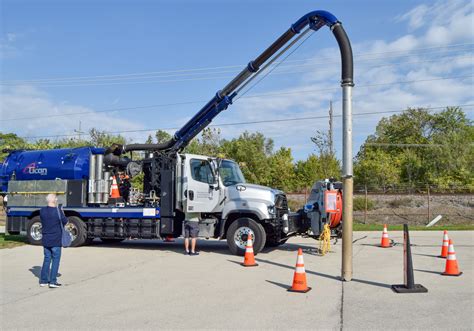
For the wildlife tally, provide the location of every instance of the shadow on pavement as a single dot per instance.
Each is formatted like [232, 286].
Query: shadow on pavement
[36, 271]
[429, 255]
[236, 262]
[311, 250]
[337, 278]
[278, 284]
[428, 271]
[205, 246]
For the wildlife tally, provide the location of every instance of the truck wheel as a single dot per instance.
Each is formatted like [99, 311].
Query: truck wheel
[111, 240]
[237, 235]
[33, 231]
[78, 229]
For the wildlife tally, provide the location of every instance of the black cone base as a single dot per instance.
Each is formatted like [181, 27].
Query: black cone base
[455, 275]
[401, 288]
[249, 265]
[302, 291]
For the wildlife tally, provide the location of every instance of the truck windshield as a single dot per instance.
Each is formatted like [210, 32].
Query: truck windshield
[230, 173]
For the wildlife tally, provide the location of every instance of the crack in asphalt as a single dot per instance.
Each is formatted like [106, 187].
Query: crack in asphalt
[341, 315]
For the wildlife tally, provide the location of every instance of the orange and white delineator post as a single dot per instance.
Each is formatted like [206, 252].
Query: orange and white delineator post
[114, 190]
[299, 278]
[385, 243]
[249, 258]
[444, 247]
[451, 262]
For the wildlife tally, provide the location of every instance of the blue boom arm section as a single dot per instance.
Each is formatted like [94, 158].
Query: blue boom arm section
[223, 98]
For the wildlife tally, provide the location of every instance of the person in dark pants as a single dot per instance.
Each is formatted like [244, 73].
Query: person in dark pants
[52, 219]
[191, 230]
[124, 186]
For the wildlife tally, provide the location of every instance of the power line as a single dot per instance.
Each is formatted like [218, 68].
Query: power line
[134, 80]
[244, 97]
[410, 145]
[200, 70]
[255, 122]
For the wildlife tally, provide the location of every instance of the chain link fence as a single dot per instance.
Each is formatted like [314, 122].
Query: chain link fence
[399, 204]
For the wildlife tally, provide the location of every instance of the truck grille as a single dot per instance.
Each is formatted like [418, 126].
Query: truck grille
[281, 205]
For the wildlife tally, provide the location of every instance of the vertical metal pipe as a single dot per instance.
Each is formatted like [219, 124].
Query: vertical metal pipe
[429, 210]
[99, 176]
[366, 205]
[347, 181]
[91, 188]
[106, 193]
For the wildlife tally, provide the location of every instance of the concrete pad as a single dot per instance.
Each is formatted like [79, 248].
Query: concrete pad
[150, 284]
[369, 303]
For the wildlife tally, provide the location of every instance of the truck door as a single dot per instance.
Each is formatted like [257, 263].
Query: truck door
[200, 192]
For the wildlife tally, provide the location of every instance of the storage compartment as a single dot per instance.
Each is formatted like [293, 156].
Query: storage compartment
[16, 224]
[32, 193]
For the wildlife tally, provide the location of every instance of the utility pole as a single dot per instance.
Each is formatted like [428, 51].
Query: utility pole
[79, 132]
[331, 137]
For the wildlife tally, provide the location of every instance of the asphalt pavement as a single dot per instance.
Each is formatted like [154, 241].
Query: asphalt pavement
[143, 284]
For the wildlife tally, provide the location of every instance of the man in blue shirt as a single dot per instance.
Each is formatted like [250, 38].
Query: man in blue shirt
[52, 219]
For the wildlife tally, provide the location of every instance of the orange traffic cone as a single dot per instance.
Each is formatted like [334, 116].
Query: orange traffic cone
[114, 191]
[299, 278]
[249, 258]
[385, 243]
[444, 247]
[451, 262]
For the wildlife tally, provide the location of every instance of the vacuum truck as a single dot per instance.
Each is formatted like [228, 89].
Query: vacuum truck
[175, 184]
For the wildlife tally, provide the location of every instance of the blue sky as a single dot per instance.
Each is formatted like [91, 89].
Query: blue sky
[66, 57]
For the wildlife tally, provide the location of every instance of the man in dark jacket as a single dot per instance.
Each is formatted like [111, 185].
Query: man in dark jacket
[52, 219]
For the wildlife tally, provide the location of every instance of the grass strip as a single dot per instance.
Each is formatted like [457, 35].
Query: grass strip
[399, 227]
[10, 241]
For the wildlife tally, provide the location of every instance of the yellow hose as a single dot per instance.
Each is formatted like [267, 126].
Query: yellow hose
[325, 240]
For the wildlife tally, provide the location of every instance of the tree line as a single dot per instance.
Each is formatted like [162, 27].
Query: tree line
[412, 148]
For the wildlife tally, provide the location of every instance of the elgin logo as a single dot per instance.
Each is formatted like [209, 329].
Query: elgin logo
[33, 170]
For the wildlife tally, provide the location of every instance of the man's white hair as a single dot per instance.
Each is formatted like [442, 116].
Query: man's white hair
[51, 198]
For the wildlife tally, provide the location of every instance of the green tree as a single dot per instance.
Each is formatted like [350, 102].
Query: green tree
[376, 168]
[10, 142]
[315, 168]
[104, 139]
[162, 136]
[251, 151]
[282, 172]
[419, 147]
[209, 143]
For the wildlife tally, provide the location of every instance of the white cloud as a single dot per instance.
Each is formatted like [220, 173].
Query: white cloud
[41, 110]
[415, 17]
[392, 61]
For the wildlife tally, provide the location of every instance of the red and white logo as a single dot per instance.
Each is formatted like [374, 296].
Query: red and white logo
[32, 169]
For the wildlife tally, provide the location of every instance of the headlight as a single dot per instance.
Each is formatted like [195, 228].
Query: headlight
[285, 217]
[271, 209]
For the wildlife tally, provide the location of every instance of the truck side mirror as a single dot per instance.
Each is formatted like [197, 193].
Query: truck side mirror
[215, 182]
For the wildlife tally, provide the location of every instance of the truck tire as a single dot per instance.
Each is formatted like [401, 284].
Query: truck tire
[78, 229]
[33, 231]
[111, 240]
[237, 235]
